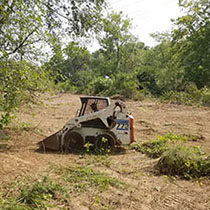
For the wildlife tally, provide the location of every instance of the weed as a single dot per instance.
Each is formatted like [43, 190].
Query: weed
[34, 195]
[155, 148]
[11, 204]
[175, 158]
[100, 203]
[3, 138]
[83, 178]
[184, 161]
[24, 126]
[92, 158]
[88, 147]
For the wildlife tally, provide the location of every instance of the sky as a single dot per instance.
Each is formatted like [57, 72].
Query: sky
[148, 16]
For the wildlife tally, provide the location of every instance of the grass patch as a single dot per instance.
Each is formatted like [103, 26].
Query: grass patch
[184, 161]
[11, 204]
[81, 179]
[88, 159]
[28, 127]
[53, 193]
[35, 194]
[155, 148]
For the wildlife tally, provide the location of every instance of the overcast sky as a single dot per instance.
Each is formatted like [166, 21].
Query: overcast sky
[148, 16]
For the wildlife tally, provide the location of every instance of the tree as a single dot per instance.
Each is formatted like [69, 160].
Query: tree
[161, 64]
[24, 23]
[191, 41]
[25, 27]
[18, 82]
[77, 59]
[117, 43]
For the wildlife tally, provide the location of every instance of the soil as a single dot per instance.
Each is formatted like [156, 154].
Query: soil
[19, 156]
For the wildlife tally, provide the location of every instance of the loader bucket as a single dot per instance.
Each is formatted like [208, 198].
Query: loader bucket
[50, 143]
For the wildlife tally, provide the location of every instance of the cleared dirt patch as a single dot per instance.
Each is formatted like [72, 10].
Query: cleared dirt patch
[146, 191]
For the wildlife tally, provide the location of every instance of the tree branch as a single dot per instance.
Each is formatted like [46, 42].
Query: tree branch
[20, 45]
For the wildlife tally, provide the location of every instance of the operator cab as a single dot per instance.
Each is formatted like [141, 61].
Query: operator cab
[92, 104]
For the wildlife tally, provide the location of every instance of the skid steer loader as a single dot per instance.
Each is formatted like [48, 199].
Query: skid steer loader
[98, 122]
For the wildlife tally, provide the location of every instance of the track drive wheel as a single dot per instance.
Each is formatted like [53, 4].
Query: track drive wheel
[73, 141]
[105, 142]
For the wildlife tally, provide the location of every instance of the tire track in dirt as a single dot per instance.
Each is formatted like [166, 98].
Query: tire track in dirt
[174, 202]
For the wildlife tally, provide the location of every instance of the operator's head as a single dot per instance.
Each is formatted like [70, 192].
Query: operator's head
[94, 107]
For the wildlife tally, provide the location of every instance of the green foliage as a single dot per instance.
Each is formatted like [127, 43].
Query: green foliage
[191, 41]
[155, 148]
[100, 86]
[34, 195]
[24, 23]
[184, 161]
[18, 82]
[53, 193]
[119, 47]
[10, 204]
[26, 27]
[5, 120]
[191, 96]
[66, 86]
[174, 157]
[83, 178]
[125, 84]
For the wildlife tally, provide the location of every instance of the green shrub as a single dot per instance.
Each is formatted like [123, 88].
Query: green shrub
[184, 161]
[125, 84]
[66, 87]
[35, 194]
[99, 85]
[31, 195]
[205, 96]
[18, 82]
[191, 96]
[10, 204]
[155, 148]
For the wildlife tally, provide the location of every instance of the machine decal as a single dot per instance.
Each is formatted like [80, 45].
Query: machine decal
[122, 125]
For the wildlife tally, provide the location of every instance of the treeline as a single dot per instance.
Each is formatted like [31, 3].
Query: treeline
[177, 69]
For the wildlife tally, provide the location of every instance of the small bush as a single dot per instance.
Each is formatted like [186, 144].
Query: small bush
[10, 204]
[99, 85]
[18, 83]
[34, 195]
[66, 86]
[155, 148]
[191, 96]
[184, 161]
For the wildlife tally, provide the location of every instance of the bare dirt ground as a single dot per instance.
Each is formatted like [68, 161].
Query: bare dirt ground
[147, 191]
